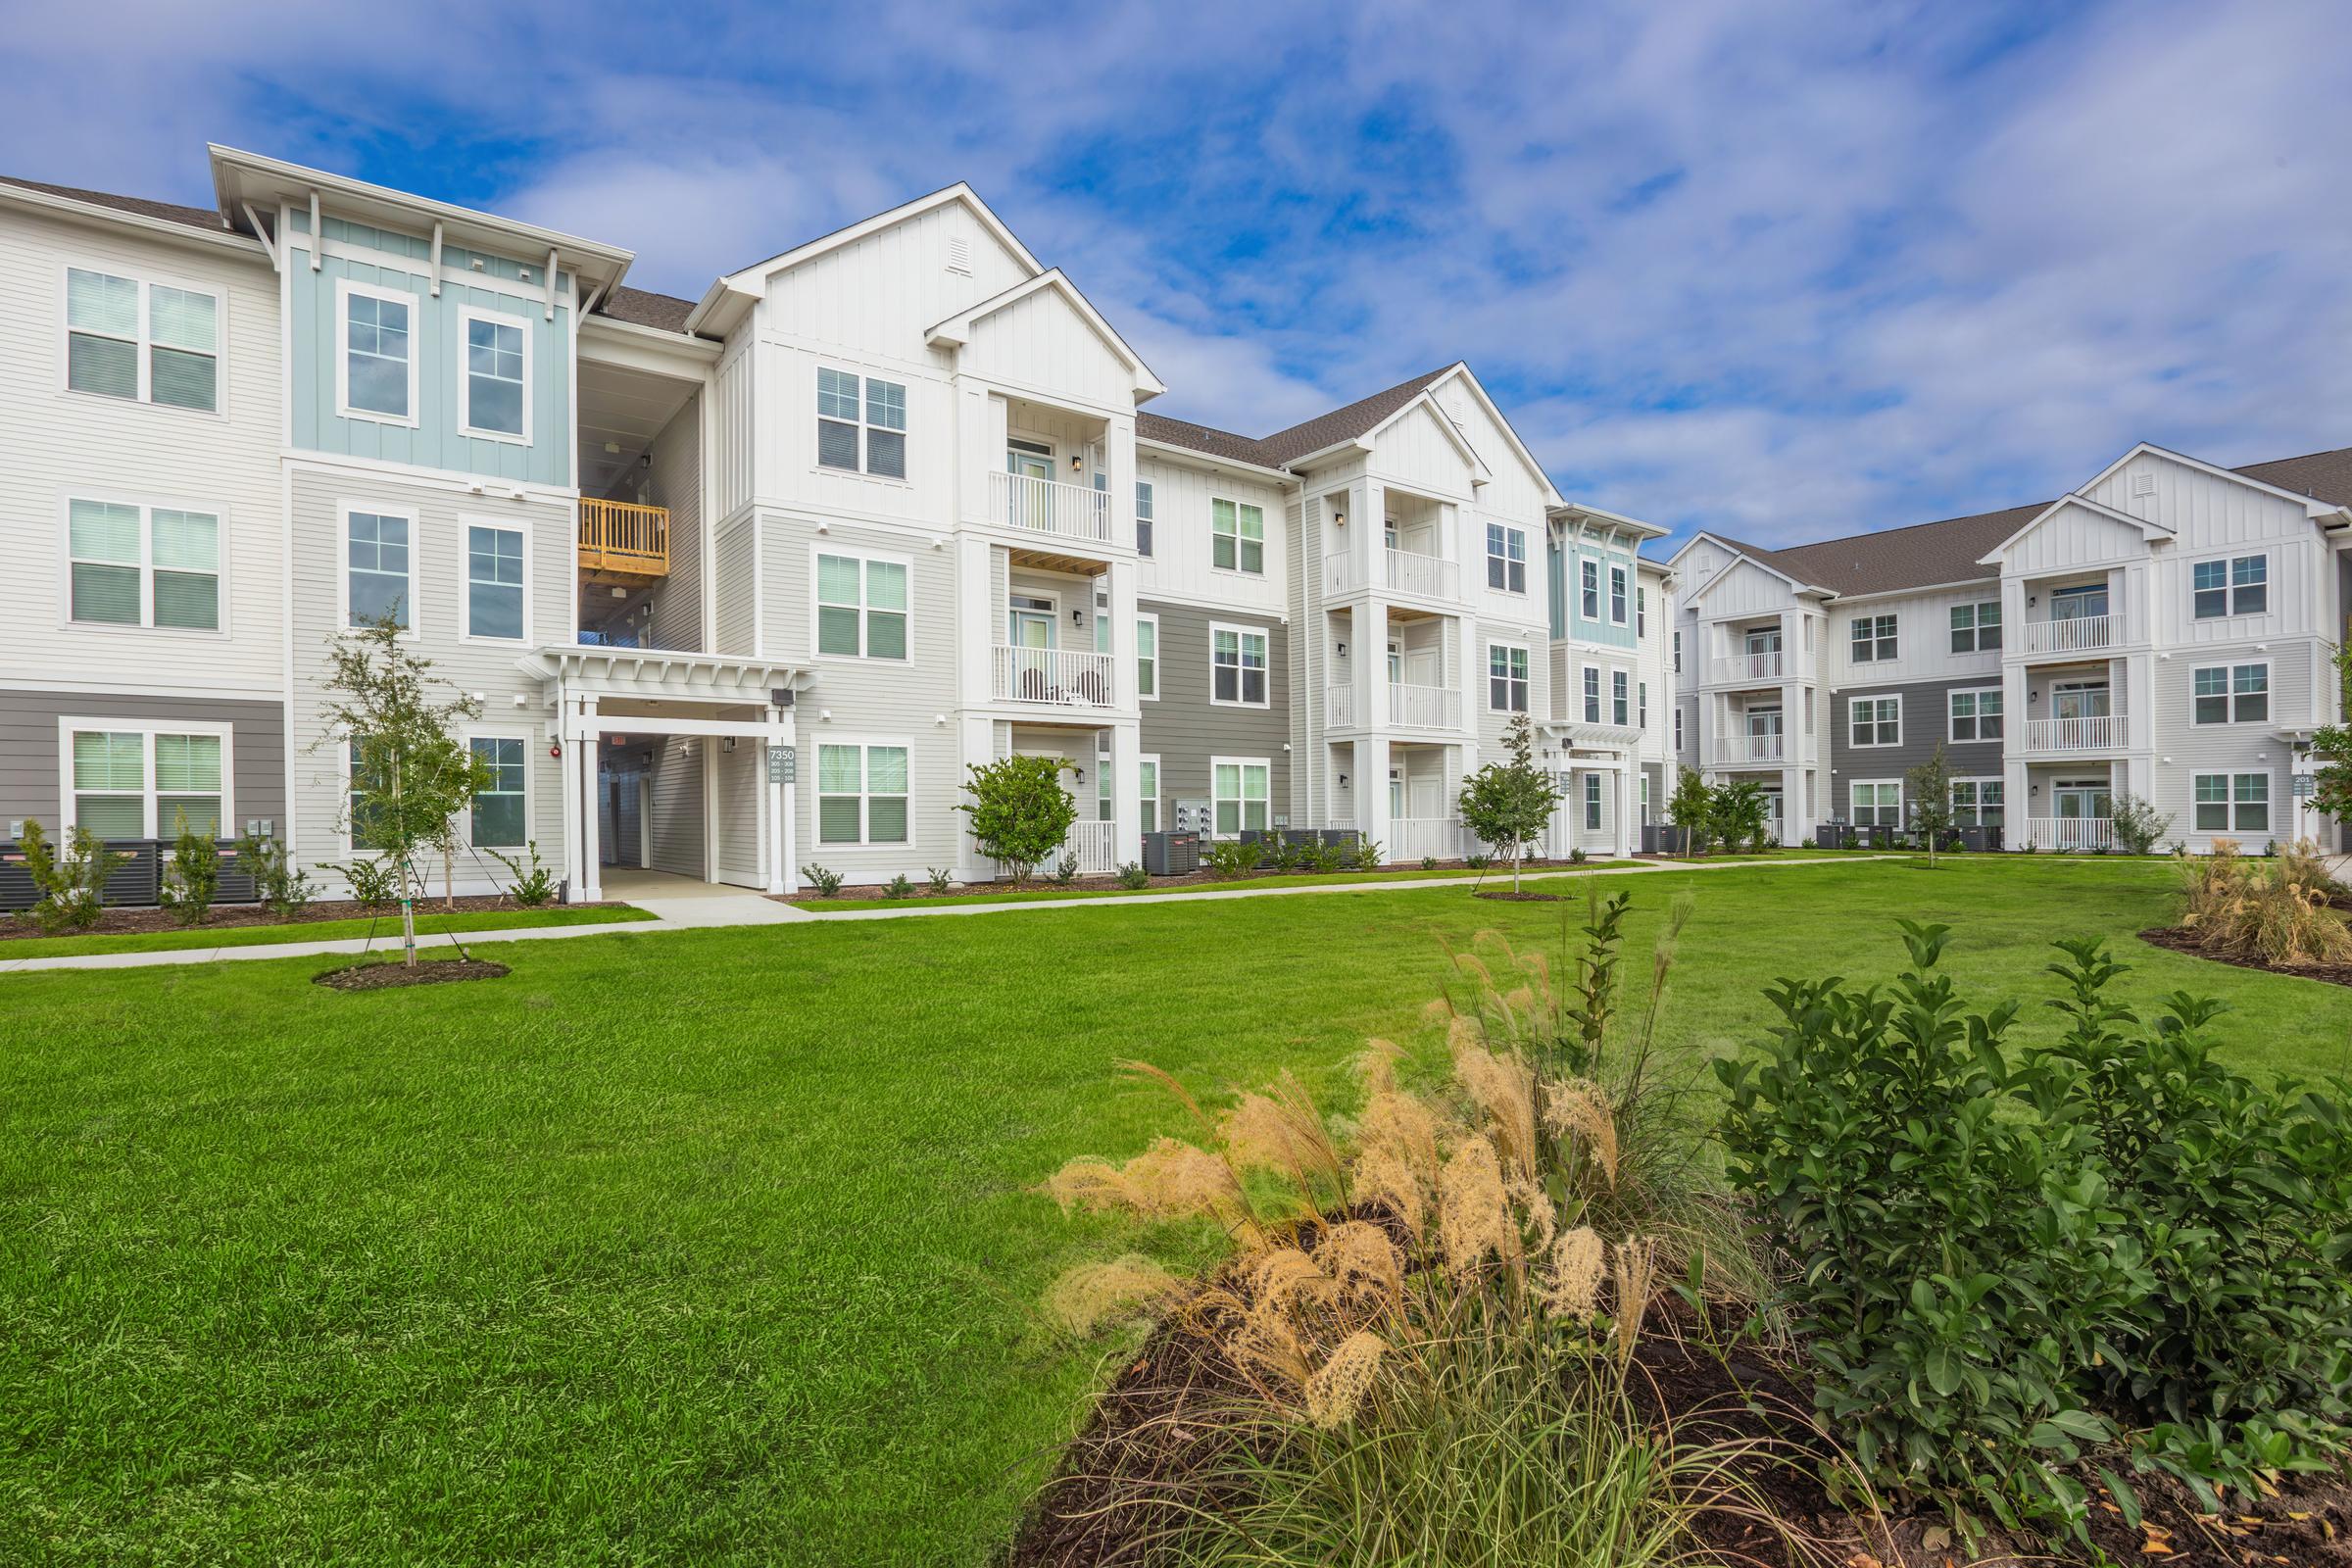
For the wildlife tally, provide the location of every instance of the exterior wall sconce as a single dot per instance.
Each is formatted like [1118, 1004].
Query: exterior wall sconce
[1077, 617]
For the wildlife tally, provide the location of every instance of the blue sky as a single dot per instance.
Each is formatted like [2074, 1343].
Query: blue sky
[1788, 270]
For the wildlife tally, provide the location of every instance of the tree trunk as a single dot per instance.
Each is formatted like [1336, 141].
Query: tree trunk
[408, 915]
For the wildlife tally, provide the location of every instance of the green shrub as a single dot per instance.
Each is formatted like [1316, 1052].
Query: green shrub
[1478, 862]
[827, 883]
[1228, 859]
[191, 877]
[284, 888]
[1133, 877]
[1429, 862]
[532, 887]
[1065, 870]
[939, 878]
[1366, 854]
[898, 887]
[1020, 815]
[1288, 856]
[374, 882]
[1576, 856]
[2137, 823]
[72, 886]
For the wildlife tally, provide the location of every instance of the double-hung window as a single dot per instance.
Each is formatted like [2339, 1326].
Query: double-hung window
[501, 815]
[861, 794]
[494, 583]
[1643, 692]
[1237, 666]
[1977, 802]
[1977, 714]
[1147, 788]
[1143, 517]
[1237, 536]
[1618, 712]
[2232, 802]
[1678, 727]
[2237, 586]
[376, 372]
[1878, 804]
[2232, 694]
[379, 568]
[1506, 558]
[1678, 653]
[1147, 656]
[1587, 585]
[860, 424]
[1239, 793]
[497, 398]
[1874, 639]
[1976, 628]
[1506, 678]
[1618, 601]
[1876, 720]
[142, 342]
[1640, 612]
[861, 607]
[1592, 802]
[144, 783]
[137, 565]
[1592, 694]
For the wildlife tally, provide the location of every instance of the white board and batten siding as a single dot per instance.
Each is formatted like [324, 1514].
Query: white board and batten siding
[1182, 565]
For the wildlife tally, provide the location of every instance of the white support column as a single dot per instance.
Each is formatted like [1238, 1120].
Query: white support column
[1625, 809]
[978, 622]
[779, 829]
[589, 748]
[1371, 790]
[788, 830]
[567, 742]
[1123, 574]
[1126, 808]
[1370, 668]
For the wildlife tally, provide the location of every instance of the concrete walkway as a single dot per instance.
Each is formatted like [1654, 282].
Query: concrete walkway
[724, 908]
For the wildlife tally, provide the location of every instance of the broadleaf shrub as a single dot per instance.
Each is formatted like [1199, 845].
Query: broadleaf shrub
[1231, 857]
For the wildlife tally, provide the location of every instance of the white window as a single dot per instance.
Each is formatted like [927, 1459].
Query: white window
[495, 395]
[1506, 558]
[502, 814]
[1976, 628]
[1874, 639]
[860, 424]
[1876, 720]
[1645, 797]
[1240, 793]
[1592, 695]
[1877, 803]
[1143, 517]
[1593, 801]
[140, 565]
[861, 794]
[132, 780]
[1147, 788]
[2232, 694]
[860, 605]
[1237, 666]
[1977, 802]
[1977, 714]
[1237, 536]
[375, 373]
[1678, 653]
[1506, 678]
[1617, 701]
[497, 599]
[143, 341]
[379, 572]
[1617, 596]
[1643, 693]
[1588, 587]
[1640, 612]
[1678, 729]
[1146, 658]
[2237, 586]
[2232, 802]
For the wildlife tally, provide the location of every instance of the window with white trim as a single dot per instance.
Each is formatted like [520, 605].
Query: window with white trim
[1876, 802]
[1678, 653]
[1506, 558]
[1592, 695]
[1874, 639]
[501, 815]
[2232, 694]
[1147, 656]
[140, 565]
[1875, 721]
[1143, 517]
[377, 368]
[379, 568]
[1147, 788]
[138, 783]
[1239, 793]
[1237, 666]
[1977, 802]
[860, 424]
[1506, 678]
[861, 607]
[2232, 802]
[1617, 698]
[1587, 585]
[1618, 609]
[1678, 729]
[1976, 628]
[1975, 714]
[1640, 612]
[1237, 536]
[1593, 801]
[142, 342]
[2239, 585]
[496, 390]
[861, 794]
[1643, 721]
[494, 578]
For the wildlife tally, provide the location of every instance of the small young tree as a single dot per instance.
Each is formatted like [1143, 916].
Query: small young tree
[1692, 807]
[1509, 805]
[1738, 814]
[1021, 812]
[1929, 786]
[410, 771]
[191, 877]
[2137, 823]
[2331, 750]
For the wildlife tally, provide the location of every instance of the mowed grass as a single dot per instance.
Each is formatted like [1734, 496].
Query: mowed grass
[720, 1247]
[385, 928]
[1495, 876]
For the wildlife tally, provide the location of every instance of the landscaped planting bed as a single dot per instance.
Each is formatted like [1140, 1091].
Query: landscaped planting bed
[875, 896]
[240, 926]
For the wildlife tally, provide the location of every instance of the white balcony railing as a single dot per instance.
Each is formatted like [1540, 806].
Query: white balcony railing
[1094, 846]
[1339, 707]
[1739, 669]
[2102, 732]
[1735, 749]
[1432, 576]
[2070, 832]
[1424, 707]
[1049, 506]
[1410, 838]
[2075, 634]
[1052, 676]
[1342, 573]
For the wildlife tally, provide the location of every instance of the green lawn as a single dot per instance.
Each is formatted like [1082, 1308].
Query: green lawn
[1495, 875]
[387, 927]
[718, 1246]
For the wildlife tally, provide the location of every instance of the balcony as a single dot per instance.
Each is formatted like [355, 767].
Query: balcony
[620, 539]
[1424, 707]
[1049, 507]
[1743, 751]
[1750, 669]
[1053, 678]
[2100, 732]
[1094, 847]
[1413, 838]
[1339, 707]
[2070, 832]
[2075, 634]
[1404, 571]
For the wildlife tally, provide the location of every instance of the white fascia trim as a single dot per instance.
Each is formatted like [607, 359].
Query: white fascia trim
[1426, 397]
[638, 337]
[957, 331]
[749, 278]
[2151, 531]
[222, 238]
[1551, 496]
[1989, 586]
[1578, 510]
[2311, 506]
[1204, 460]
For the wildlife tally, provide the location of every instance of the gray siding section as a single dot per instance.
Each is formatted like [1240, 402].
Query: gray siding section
[676, 482]
[31, 785]
[678, 808]
[1927, 720]
[1186, 730]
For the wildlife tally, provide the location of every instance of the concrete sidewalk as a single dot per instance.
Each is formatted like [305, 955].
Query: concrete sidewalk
[707, 911]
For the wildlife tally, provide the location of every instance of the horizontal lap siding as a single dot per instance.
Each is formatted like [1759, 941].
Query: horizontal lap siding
[1927, 722]
[32, 786]
[678, 808]
[1186, 730]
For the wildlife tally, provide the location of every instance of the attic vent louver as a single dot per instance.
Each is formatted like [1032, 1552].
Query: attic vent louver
[959, 256]
[2143, 485]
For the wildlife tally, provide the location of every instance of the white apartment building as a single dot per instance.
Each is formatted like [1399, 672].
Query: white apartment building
[747, 583]
[2166, 630]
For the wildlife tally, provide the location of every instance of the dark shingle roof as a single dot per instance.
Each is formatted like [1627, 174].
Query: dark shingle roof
[1300, 440]
[643, 308]
[2321, 476]
[169, 212]
[1200, 438]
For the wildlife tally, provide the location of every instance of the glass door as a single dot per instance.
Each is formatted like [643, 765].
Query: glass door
[1764, 735]
[1032, 469]
[2076, 699]
[1031, 632]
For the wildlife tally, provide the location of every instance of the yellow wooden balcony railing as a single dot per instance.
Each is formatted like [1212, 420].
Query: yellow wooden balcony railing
[619, 538]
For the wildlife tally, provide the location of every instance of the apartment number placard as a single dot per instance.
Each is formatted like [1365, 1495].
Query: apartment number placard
[783, 765]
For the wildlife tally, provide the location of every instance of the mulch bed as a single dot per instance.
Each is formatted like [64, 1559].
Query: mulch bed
[231, 917]
[1085, 884]
[391, 976]
[2178, 938]
[1507, 896]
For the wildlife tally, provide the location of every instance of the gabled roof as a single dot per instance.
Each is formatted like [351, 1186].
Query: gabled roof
[1358, 418]
[957, 331]
[852, 232]
[639, 307]
[1204, 439]
[2141, 526]
[167, 211]
[2149, 448]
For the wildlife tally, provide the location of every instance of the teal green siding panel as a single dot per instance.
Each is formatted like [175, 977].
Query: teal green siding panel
[1603, 632]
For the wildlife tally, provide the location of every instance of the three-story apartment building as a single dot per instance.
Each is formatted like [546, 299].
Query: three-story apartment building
[748, 582]
[2165, 631]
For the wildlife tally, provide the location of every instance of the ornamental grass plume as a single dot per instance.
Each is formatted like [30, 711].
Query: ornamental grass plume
[1376, 1066]
[1637, 1267]
[1169, 1179]
[1380, 1175]
[1337, 1389]
[1474, 1215]
[1092, 1295]
[1284, 1275]
[1364, 1265]
[1570, 1284]
[1401, 1124]
[1265, 1347]
[1502, 1088]
[1579, 1109]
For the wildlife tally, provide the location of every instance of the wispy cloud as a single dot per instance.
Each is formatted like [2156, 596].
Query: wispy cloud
[1786, 268]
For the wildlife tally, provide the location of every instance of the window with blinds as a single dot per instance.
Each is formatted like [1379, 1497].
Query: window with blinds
[855, 417]
[143, 341]
[141, 565]
[143, 784]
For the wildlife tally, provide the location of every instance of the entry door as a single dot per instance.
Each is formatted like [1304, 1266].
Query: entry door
[2082, 798]
[1030, 630]
[1764, 642]
[1421, 667]
[2079, 700]
[1033, 503]
[1771, 813]
[2078, 604]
